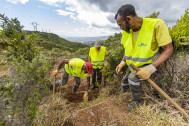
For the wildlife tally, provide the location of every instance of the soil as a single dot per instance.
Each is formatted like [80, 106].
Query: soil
[103, 113]
[78, 96]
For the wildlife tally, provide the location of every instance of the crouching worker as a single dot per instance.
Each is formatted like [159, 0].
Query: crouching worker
[76, 67]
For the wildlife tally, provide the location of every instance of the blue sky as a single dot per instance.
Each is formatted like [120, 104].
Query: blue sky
[85, 18]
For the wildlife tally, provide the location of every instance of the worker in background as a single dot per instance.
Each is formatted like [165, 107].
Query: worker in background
[141, 39]
[76, 67]
[97, 56]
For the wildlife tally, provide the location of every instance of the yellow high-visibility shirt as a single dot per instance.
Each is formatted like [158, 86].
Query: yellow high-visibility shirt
[75, 68]
[98, 56]
[160, 36]
[141, 52]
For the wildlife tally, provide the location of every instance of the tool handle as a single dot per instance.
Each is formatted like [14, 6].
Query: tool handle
[54, 85]
[163, 93]
[134, 67]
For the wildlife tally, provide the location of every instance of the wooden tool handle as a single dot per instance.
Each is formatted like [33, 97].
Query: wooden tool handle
[163, 93]
[54, 85]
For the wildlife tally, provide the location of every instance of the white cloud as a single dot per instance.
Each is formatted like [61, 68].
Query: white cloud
[70, 9]
[86, 12]
[91, 14]
[97, 16]
[53, 2]
[73, 17]
[64, 13]
[100, 13]
[18, 1]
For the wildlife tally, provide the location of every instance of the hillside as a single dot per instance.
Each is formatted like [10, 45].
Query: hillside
[50, 40]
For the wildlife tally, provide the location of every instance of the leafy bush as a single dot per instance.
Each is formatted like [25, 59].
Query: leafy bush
[181, 29]
[22, 94]
[116, 52]
[27, 79]
[83, 51]
[14, 40]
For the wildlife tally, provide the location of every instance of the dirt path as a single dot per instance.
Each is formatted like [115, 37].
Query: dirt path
[106, 113]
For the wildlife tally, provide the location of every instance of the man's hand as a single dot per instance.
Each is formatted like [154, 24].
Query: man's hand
[145, 72]
[105, 64]
[119, 67]
[55, 72]
[85, 96]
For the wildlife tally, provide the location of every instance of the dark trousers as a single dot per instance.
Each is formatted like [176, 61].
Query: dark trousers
[64, 80]
[96, 76]
[131, 80]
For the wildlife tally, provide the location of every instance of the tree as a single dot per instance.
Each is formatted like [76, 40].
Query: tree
[15, 42]
[181, 29]
[153, 15]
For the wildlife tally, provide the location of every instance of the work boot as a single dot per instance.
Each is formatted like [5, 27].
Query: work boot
[134, 104]
[74, 89]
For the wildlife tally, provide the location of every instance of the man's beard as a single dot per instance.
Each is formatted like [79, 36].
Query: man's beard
[128, 27]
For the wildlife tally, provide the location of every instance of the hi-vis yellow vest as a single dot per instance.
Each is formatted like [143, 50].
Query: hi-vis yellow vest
[97, 57]
[75, 68]
[142, 53]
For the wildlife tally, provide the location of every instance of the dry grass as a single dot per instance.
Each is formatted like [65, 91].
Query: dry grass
[54, 111]
[110, 108]
[153, 115]
[108, 111]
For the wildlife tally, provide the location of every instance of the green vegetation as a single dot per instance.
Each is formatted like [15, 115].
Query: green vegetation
[50, 40]
[27, 58]
[15, 42]
[154, 15]
[180, 30]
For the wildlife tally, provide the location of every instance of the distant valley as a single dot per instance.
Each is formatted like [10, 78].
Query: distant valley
[86, 40]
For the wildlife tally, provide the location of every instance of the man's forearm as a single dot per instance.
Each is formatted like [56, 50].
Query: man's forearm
[63, 61]
[124, 59]
[168, 50]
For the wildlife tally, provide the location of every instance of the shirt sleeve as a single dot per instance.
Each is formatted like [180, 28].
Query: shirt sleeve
[162, 33]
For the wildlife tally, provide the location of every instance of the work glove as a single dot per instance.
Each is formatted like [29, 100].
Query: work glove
[119, 67]
[145, 72]
[55, 72]
[85, 96]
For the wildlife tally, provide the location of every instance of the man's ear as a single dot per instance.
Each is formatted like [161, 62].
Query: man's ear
[128, 18]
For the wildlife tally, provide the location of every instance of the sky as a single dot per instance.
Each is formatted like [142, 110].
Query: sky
[85, 18]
